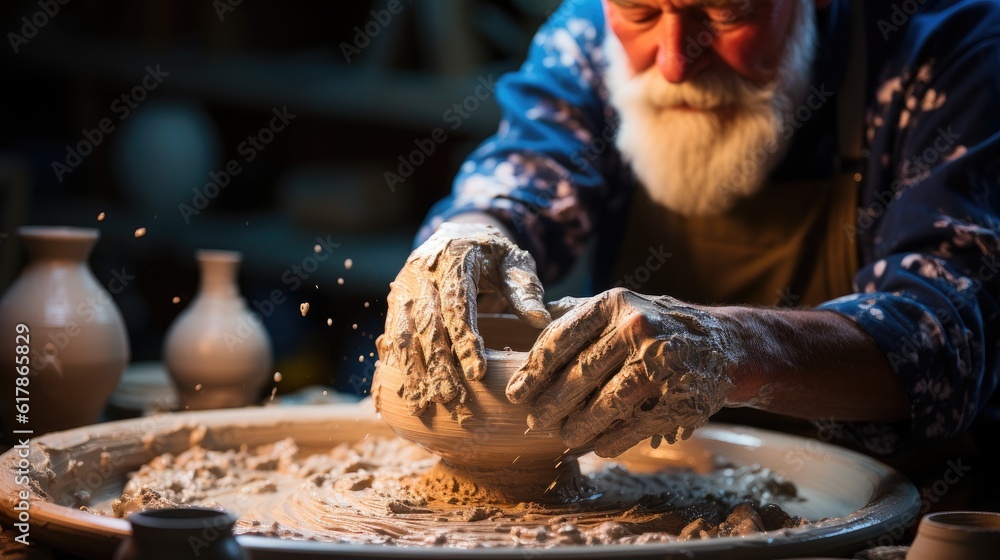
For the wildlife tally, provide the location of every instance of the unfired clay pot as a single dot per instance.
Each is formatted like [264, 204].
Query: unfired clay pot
[957, 535]
[64, 328]
[217, 351]
[496, 436]
[178, 533]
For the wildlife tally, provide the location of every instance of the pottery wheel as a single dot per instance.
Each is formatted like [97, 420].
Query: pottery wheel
[392, 492]
[345, 483]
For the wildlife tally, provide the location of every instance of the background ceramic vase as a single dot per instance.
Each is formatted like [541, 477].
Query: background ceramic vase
[217, 351]
[957, 535]
[179, 533]
[76, 342]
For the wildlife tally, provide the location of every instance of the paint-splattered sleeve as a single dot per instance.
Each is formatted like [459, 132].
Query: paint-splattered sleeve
[542, 173]
[929, 229]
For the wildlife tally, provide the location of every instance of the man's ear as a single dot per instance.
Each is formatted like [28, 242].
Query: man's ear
[821, 4]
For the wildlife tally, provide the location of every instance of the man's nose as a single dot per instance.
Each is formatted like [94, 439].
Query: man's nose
[681, 55]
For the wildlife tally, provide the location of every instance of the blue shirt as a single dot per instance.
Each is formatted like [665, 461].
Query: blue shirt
[928, 219]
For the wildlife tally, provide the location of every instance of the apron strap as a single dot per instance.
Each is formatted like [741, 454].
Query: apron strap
[851, 98]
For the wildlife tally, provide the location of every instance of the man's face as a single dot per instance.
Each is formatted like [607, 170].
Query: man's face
[704, 91]
[683, 38]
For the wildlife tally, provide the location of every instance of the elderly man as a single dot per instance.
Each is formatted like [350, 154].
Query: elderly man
[792, 205]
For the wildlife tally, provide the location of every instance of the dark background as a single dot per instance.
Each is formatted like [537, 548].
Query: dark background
[230, 65]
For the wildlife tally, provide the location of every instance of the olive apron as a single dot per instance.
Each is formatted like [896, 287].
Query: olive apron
[786, 245]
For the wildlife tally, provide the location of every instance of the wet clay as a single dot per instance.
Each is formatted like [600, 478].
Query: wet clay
[501, 485]
[391, 492]
[431, 313]
[621, 367]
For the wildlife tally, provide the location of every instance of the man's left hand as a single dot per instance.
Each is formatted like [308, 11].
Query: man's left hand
[622, 367]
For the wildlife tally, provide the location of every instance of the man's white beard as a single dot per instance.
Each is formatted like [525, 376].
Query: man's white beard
[702, 162]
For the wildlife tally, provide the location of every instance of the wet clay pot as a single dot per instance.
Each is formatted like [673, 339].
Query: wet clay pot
[217, 351]
[66, 345]
[180, 533]
[957, 535]
[496, 436]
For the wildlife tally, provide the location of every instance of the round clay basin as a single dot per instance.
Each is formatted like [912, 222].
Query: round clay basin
[496, 435]
[862, 498]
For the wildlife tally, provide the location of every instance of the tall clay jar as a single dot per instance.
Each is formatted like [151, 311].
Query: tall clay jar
[217, 351]
[181, 533]
[65, 345]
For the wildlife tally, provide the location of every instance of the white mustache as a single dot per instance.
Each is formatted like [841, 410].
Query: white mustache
[710, 90]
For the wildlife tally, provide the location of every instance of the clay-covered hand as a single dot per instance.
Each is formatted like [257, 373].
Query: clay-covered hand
[430, 327]
[623, 367]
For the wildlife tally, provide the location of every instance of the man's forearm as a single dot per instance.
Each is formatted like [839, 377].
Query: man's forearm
[813, 364]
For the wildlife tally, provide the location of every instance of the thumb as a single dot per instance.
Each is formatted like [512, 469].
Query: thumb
[523, 289]
[563, 306]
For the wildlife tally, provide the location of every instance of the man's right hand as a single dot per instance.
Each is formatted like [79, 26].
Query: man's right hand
[430, 326]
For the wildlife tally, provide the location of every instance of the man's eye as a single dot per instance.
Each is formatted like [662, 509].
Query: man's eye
[641, 15]
[725, 16]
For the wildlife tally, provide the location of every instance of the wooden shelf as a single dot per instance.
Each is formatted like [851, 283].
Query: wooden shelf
[271, 244]
[308, 83]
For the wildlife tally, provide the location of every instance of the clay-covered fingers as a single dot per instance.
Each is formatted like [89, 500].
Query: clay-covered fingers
[441, 382]
[616, 401]
[556, 346]
[459, 290]
[633, 432]
[414, 391]
[585, 374]
[564, 305]
[520, 285]
[404, 352]
[431, 332]
[667, 413]
[398, 348]
[395, 343]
